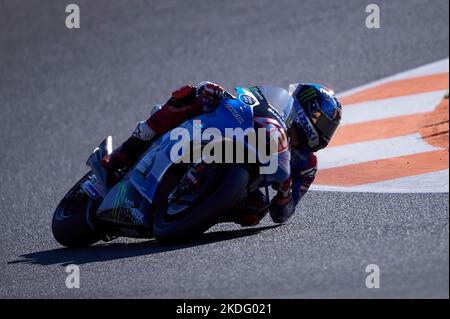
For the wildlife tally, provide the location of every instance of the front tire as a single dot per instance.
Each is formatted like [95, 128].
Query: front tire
[205, 214]
[70, 224]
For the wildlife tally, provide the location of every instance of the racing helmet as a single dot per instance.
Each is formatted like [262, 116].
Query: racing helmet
[316, 114]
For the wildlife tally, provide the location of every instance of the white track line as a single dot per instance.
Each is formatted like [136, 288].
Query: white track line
[386, 108]
[438, 179]
[372, 150]
[428, 69]
[435, 182]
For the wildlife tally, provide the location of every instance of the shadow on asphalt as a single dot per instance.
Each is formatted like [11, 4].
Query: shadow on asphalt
[114, 251]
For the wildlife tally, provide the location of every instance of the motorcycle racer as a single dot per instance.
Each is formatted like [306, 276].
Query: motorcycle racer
[316, 116]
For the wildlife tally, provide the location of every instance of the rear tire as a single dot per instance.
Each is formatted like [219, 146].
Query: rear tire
[70, 224]
[221, 200]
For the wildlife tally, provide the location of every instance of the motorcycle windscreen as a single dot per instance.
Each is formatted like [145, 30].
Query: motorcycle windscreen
[280, 100]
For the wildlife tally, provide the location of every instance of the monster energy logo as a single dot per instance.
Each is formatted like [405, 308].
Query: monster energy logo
[118, 201]
[308, 95]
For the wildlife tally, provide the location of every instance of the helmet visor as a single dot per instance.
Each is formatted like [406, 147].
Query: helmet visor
[326, 127]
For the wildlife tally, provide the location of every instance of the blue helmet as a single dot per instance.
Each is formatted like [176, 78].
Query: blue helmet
[317, 114]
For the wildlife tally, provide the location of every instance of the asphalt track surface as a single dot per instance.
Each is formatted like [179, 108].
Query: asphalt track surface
[62, 91]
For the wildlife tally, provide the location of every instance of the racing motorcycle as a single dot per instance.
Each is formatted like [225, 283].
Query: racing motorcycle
[156, 199]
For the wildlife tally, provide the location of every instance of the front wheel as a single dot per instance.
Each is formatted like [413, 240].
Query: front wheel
[227, 192]
[70, 224]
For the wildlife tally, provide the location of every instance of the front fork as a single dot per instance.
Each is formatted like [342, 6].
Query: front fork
[94, 162]
[97, 186]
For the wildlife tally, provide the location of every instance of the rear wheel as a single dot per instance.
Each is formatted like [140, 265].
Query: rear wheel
[70, 225]
[225, 189]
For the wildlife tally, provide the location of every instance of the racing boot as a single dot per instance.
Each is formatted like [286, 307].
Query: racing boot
[129, 152]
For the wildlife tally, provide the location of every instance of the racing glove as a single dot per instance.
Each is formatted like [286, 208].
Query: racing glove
[209, 95]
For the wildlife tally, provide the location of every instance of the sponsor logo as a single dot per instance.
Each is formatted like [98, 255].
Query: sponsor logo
[127, 203]
[300, 118]
[326, 91]
[247, 99]
[138, 217]
[118, 201]
[307, 95]
[236, 115]
[280, 120]
[258, 95]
